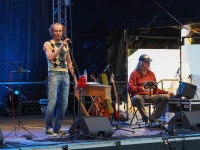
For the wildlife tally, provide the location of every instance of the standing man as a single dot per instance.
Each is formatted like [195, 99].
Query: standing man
[140, 95]
[58, 62]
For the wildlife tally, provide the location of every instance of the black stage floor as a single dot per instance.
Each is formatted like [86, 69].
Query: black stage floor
[33, 137]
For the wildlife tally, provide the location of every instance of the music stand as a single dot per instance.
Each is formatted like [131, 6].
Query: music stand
[19, 124]
[150, 85]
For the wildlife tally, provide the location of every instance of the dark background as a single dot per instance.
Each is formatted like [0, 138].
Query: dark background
[97, 34]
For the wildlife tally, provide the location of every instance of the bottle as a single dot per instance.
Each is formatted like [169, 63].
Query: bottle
[85, 74]
[82, 81]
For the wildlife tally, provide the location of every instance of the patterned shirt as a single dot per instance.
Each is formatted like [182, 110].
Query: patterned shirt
[59, 63]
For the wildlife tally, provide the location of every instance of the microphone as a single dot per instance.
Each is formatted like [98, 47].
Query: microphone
[64, 36]
[106, 68]
[190, 76]
[177, 72]
[22, 70]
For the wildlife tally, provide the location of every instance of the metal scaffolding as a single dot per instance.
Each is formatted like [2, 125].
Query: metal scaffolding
[59, 12]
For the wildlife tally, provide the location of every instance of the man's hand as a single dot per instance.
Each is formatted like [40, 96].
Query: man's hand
[171, 94]
[65, 42]
[148, 90]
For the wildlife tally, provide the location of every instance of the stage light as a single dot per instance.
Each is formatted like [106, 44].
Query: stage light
[68, 3]
[16, 92]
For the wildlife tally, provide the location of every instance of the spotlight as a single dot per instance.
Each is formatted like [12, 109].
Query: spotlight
[16, 92]
[68, 3]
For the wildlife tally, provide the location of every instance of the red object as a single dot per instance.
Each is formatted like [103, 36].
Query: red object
[100, 108]
[123, 114]
[136, 83]
[82, 81]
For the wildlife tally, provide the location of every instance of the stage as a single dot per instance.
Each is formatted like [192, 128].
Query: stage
[34, 137]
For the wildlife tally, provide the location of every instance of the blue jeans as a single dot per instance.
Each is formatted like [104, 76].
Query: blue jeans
[57, 81]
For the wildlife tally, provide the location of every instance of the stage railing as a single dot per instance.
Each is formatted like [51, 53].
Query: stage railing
[161, 81]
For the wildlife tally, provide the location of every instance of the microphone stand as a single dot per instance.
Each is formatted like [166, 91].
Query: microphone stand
[68, 4]
[118, 127]
[180, 44]
[19, 124]
[79, 131]
[74, 100]
[150, 85]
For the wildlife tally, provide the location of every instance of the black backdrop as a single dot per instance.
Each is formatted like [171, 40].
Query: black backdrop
[24, 27]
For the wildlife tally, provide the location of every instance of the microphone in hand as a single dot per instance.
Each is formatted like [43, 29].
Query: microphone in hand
[64, 37]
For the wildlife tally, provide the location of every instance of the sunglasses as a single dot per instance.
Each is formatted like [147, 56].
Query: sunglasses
[148, 62]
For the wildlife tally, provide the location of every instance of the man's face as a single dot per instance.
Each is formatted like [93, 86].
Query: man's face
[57, 32]
[146, 64]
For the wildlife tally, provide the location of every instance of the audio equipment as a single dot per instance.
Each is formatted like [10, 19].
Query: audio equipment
[186, 90]
[91, 127]
[1, 137]
[186, 120]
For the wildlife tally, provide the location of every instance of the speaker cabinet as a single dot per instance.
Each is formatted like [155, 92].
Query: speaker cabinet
[92, 126]
[186, 120]
[186, 90]
[1, 137]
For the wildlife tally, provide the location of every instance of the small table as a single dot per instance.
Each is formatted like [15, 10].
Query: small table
[99, 90]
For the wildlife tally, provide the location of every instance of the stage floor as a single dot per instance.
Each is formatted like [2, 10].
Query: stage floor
[136, 138]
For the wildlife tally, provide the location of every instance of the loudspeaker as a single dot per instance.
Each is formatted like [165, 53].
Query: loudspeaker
[186, 90]
[92, 126]
[186, 120]
[1, 137]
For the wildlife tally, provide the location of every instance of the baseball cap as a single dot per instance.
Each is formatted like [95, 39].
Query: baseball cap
[144, 57]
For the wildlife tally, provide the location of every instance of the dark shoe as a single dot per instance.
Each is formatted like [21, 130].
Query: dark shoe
[155, 121]
[145, 120]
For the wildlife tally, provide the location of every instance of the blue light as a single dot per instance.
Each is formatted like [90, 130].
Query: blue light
[16, 92]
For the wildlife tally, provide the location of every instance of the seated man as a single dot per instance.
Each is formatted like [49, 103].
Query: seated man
[140, 95]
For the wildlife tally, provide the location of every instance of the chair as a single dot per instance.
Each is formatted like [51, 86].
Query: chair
[135, 110]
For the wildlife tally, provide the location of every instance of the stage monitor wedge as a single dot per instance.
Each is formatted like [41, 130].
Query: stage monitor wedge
[1, 137]
[186, 120]
[92, 127]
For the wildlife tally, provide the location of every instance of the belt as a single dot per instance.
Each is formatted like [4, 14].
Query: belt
[58, 72]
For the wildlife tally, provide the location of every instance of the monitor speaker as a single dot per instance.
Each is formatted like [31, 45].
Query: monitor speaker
[91, 127]
[186, 120]
[1, 137]
[186, 90]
